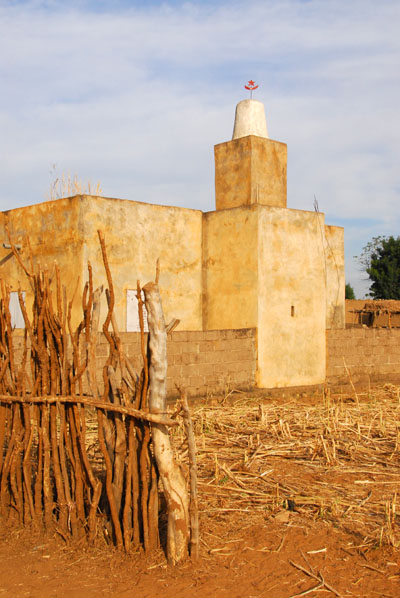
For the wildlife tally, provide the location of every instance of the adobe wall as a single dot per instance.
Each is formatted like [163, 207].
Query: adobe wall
[250, 170]
[136, 235]
[291, 298]
[335, 277]
[54, 229]
[230, 268]
[202, 362]
[370, 354]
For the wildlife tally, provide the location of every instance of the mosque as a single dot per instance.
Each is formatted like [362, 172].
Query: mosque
[251, 263]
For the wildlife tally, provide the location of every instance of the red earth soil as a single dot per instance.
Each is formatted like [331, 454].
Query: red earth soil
[279, 558]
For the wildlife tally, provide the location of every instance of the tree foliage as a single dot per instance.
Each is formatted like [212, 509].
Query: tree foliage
[349, 291]
[380, 259]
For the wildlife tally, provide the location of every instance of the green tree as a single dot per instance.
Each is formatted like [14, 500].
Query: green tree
[349, 292]
[380, 259]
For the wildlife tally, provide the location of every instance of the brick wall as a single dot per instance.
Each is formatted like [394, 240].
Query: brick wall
[199, 361]
[370, 354]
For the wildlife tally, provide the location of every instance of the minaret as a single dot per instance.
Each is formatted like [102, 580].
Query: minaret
[250, 169]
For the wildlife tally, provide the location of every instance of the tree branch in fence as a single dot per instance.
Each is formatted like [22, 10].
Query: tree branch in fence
[193, 506]
[156, 418]
[171, 475]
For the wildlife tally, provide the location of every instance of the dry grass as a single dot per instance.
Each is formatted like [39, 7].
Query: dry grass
[335, 458]
[66, 185]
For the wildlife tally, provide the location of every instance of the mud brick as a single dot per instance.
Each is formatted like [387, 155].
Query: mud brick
[170, 384]
[196, 380]
[248, 344]
[206, 369]
[232, 344]
[223, 334]
[245, 332]
[244, 355]
[386, 368]
[211, 335]
[230, 334]
[242, 378]
[378, 349]
[211, 357]
[190, 358]
[192, 347]
[205, 346]
[189, 370]
[339, 371]
[381, 359]
[195, 335]
[102, 350]
[178, 359]
[174, 347]
[219, 369]
[179, 335]
[132, 350]
[248, 368]
[395, 361]
[223, 356]
[202, 358]
[218, 345]
[174, 371]
[335, 360]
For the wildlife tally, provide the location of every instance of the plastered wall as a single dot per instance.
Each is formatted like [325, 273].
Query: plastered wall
[335, 278]
[230, 268]
[259, 267]
[291, 298]
[55, 231]
[264, 267]
[250, 170]
[136, 235]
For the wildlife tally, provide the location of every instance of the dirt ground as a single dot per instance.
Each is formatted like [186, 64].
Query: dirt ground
[325, 524]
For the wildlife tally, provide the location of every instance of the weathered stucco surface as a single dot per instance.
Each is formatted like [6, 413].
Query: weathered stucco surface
[277, 270]
[136, 235]
[55, 230]
[291, 298]
[250, 170]
[264, 267]
[230, 268]
[335, 277]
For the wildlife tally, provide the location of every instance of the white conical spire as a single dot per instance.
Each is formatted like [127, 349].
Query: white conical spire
[250, 119]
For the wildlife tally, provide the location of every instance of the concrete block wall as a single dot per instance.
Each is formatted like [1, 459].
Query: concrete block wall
[370, 355]
[199, 361]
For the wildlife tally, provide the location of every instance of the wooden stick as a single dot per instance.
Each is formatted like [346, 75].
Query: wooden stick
[193, 506]
[318, 578]
[109, 488]
[143, 415]
[171, 475]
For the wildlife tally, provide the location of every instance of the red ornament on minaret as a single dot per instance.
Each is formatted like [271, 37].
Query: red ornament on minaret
[251, 86]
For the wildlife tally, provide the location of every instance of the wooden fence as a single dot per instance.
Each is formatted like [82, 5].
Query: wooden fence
[82, 464]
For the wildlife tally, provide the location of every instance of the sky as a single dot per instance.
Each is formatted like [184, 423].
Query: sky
[135, 94]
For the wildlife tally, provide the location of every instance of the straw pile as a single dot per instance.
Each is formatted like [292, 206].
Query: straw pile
[335, 458]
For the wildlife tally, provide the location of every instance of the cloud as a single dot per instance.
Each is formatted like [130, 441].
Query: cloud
[135, 94]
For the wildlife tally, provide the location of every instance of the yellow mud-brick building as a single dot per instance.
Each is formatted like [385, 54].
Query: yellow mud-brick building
[251, 263]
